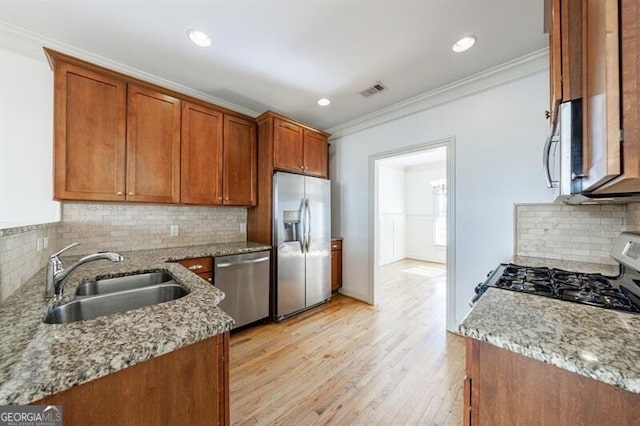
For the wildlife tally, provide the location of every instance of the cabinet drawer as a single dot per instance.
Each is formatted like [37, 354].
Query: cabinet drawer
[199, 265]
[336, 245]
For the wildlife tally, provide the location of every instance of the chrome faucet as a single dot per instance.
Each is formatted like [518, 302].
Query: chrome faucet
[57, 275]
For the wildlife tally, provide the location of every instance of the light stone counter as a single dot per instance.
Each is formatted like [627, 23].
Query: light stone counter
[591, 341]
[37, 359]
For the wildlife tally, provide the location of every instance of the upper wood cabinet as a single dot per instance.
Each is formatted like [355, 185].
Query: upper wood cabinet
[287, 146]
[240, 165]
[121, 139]
[316, 154]
[598, 60]
[89, 134]
[299, 149]
[153, 146]
[563, 21]
[201, 155]
[283, 144]
[611, 143]
[218, 158]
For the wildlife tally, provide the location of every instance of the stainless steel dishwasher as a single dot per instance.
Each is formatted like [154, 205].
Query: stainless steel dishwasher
[244, 279]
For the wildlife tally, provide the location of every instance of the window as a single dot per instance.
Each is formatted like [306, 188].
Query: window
[440, 212]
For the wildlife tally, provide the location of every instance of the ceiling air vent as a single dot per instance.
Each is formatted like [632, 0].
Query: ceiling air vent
[376, 88]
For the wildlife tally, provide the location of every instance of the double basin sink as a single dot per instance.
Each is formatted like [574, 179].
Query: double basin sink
[112, 295]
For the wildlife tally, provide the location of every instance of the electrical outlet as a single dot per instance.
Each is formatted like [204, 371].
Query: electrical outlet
[45, 242]
[243, 227]
[174, 230]
[39, 244]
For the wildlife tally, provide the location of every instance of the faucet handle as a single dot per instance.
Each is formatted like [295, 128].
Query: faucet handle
[65, 249]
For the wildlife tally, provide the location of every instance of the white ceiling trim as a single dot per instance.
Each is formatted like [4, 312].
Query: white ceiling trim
[516, 69]
[30, 44]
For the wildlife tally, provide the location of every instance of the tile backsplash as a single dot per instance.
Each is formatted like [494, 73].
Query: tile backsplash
[19, 254]
[127, 226]
[582, 233]
[113, 226]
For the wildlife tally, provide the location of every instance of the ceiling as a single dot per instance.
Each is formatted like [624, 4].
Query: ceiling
[285, 54]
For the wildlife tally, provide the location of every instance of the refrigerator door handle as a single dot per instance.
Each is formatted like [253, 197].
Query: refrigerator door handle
[303, 225]
[308, 224]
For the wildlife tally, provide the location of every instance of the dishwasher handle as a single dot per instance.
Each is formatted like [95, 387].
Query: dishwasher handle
[242, 262]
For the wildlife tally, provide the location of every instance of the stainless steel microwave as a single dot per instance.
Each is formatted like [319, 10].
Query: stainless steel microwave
[562, 160]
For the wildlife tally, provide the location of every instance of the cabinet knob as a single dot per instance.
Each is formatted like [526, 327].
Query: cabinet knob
[131, 193]
[210, 279]
[194, 267]
[547, 114]
[220, 198]
[119, 193]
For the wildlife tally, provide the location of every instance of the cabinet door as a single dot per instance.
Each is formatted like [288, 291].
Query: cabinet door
[287, 146]
[601, 104]
[153, 146]
[315, 154]
[336, 265]
[201, 175]
[240, 162]
[555, 59]
[89, 123]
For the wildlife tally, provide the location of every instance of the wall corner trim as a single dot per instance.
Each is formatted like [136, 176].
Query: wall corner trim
[524, 66]
[30, 44]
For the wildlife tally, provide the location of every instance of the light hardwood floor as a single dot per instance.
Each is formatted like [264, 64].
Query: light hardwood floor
[347, 362]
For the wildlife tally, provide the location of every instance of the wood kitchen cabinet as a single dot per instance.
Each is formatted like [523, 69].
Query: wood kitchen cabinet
[595, 55]
[611, 117]
[189, 386]
[563, 22]
[153, 146]
[201, 176]
[201, 266]
[121, 139]
[240, 162]
[336, 265]
[89, 134]
[297, 148]
[219, 164]
[283, 144]
[505, 388]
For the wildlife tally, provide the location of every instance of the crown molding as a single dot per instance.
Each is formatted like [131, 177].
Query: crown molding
[524, 66]
[30, 44]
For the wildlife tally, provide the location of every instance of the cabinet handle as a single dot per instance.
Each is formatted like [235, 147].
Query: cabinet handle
[194, 267]
[547, 114]
[210, 279]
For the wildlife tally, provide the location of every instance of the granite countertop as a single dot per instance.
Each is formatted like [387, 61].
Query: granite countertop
[37, 359]
[567, 265]
[598, 343]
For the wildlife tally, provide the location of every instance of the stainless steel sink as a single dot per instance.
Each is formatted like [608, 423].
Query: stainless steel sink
[111, 303]
[127, 282]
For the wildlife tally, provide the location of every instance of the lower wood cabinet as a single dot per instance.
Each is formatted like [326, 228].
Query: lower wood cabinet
[505, 388]
[336, 265]
[201, 266]
[189, 386]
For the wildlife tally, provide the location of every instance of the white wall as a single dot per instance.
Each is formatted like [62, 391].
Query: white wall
[499, 135]
[26, 141]
[420, 209]
[391, 213]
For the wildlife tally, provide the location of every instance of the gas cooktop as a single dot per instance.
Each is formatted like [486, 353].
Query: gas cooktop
[620, 293]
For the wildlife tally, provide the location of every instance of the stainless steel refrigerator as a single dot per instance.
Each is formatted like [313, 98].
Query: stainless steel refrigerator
[302, 242]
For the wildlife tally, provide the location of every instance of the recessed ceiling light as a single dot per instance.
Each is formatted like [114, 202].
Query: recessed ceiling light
[198, 37]
[323, 102]
[465, 43]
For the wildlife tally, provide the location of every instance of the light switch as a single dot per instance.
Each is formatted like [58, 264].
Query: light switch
[174, 230]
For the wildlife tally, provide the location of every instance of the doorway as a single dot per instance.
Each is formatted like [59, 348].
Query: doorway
[412, 218]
